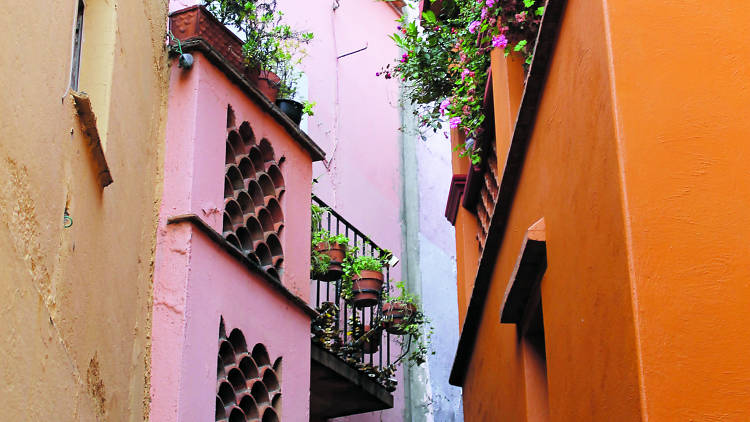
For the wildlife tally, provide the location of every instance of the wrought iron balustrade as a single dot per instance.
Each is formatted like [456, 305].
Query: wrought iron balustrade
[345, 335]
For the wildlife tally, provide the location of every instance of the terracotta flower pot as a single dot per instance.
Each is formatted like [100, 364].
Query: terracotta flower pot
[366, 288]
[266, 81]
[337, 252]
[372, 344]
[396, 314]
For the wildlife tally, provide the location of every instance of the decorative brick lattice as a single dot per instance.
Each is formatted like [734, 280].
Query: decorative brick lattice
[248, 387]
[488, 193]
[253, 189]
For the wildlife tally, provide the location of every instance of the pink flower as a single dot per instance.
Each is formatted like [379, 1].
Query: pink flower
[454, 122]
[499, 41]
[444, 105]
[474, 26]
[465, 73]
[466, 110]
[484, 12]
[520, 17]
[490, 3]
[404, 57]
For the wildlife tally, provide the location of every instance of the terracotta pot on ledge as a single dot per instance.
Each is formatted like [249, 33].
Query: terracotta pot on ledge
[266, 81]
[196, 22]
[366, 288]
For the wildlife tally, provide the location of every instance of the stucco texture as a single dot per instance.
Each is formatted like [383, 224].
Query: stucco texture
[682, 135]
[637, 163]
[570, 178]
[197, 282]
[77, 301]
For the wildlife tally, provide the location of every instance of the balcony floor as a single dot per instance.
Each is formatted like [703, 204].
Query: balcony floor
[336, 389]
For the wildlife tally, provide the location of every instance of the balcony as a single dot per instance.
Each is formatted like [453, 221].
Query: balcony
[352, 357]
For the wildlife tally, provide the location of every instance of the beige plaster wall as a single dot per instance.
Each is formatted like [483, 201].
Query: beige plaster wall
[76, 301]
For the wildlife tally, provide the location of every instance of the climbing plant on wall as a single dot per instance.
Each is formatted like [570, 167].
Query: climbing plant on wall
[445, 59]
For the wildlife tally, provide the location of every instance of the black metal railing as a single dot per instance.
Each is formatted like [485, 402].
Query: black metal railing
[349, 343]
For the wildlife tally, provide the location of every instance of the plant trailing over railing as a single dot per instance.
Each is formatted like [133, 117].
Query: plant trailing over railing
[445, 60]
[403, 315]
[326, 333]
[270, 45]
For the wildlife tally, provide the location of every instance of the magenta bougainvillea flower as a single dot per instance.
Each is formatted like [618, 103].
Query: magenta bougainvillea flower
[465, 73]
[499, 41]
[473, 26]
[490, 3]
[444, 105]
[404, 57]
[454, 122]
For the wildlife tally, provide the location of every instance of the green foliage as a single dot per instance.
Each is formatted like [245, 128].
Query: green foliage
[270, 45]
[445, 60]
[354, 264]
[316, 212]
[307, 107]
[319, 261]
[417, 328]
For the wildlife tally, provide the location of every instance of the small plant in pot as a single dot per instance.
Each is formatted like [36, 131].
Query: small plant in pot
[291, 54]
[328, 250]
[327, 255]
[260, 26]
[363, 278]
[402, 315]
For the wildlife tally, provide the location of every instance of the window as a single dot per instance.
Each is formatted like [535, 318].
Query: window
[77, 41]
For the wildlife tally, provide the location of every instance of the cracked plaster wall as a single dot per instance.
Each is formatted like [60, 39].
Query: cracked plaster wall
[76, 301]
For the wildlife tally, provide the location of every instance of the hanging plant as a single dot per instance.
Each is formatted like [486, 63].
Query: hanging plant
[444, 62]
[402, 315]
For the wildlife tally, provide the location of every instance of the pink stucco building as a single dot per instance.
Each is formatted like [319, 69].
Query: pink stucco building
[229, 273]
[233, 299]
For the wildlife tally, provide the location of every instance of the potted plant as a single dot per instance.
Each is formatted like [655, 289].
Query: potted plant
[403, 316]
[327, 255]
[291, 53]
[363, 278]
[260, 24]
[328, 250]
[399, 311]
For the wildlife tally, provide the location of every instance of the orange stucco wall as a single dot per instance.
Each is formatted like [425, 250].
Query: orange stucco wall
[683, 137]
[638, 165]
[570, 177]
